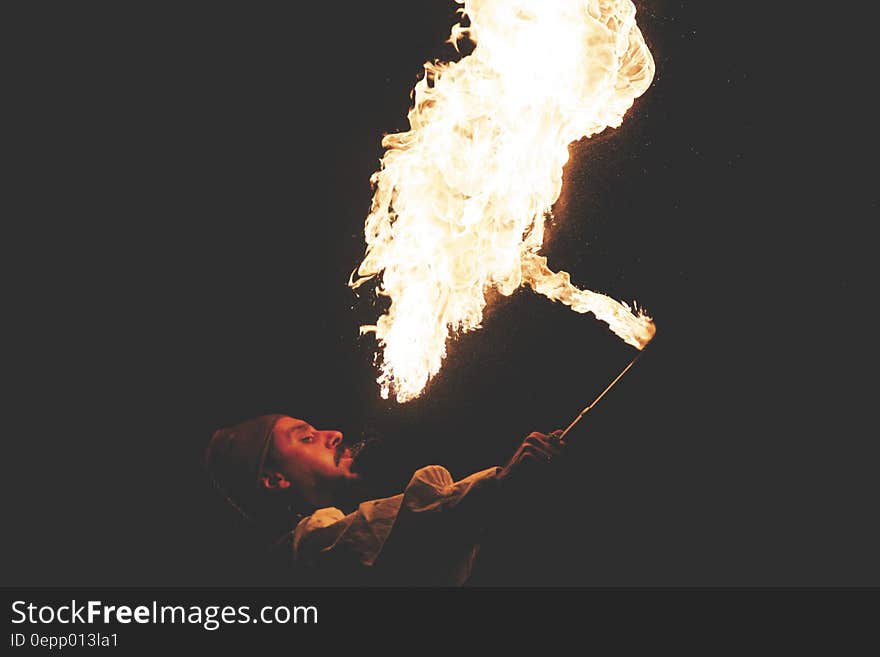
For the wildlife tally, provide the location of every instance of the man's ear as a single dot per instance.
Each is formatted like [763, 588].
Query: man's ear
[272, 480]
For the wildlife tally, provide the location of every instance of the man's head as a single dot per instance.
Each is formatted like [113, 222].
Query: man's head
[309, 460]
[268, 462]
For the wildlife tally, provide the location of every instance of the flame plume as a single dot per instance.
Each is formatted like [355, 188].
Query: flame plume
[461, 198]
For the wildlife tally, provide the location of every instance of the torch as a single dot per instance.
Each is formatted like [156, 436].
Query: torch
[564, 434]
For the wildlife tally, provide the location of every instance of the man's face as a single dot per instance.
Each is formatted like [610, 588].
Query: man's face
[309, 458]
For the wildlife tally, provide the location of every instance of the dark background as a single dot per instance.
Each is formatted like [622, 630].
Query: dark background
[192, 189]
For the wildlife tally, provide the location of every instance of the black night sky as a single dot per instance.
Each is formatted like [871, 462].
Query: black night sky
[196, 185]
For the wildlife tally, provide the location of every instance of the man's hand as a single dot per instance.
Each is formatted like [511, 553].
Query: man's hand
[530, 463]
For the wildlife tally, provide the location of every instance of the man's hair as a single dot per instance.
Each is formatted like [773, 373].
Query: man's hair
[237, 459]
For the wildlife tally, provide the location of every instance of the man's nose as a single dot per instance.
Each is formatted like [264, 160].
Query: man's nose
[332, 438]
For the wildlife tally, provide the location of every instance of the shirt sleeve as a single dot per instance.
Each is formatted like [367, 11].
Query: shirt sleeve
[428, 534]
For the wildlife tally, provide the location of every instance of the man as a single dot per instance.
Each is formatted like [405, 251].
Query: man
[302, 486]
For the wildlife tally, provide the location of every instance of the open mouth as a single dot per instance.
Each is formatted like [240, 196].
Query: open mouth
[342, 453]
[349, 452]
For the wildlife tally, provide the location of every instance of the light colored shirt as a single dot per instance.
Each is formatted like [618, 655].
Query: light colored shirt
[427, 535]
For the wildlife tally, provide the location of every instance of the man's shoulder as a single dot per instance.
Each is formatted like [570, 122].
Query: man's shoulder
[320, 518]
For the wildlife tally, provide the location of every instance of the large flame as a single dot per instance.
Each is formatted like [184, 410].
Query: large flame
[461, 198]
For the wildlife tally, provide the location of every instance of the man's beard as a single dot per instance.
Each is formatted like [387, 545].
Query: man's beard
[382, 468]
[349, 492]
